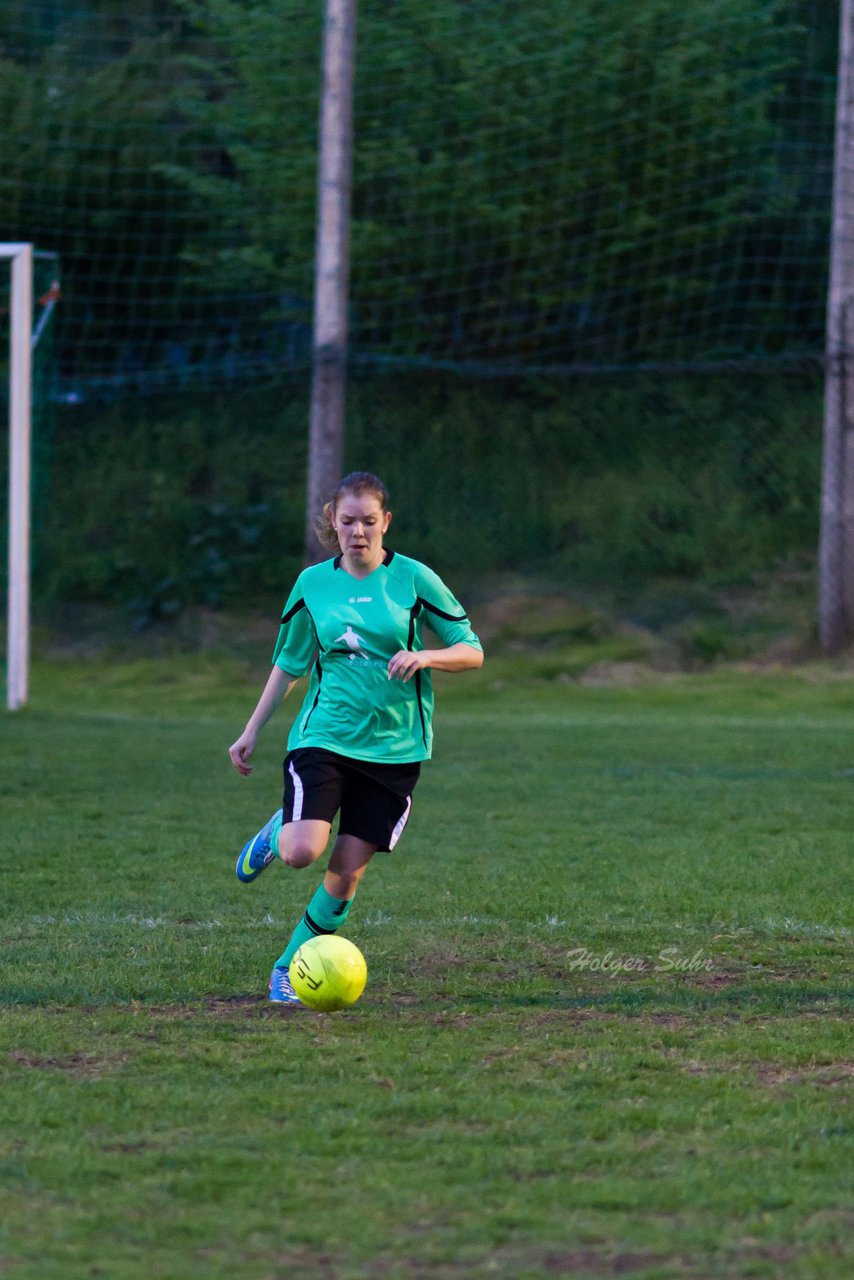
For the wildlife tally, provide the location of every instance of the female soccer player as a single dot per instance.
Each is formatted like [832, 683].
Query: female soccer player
[356, 747]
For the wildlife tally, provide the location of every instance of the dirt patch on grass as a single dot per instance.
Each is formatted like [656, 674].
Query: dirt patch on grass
[592, 1263]
[255, 1007]
[89, 1066]
[226, 1006]
[439, 1010]
[506, 1264]
[826, 1074]
[779, 1253]
[713, 981]
[237, 1008]
[281, 1264]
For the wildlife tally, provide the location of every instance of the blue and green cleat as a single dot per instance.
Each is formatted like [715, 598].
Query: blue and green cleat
[258, 852]
[281, 990]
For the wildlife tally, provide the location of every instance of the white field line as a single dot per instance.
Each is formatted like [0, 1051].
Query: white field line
[376, 919]
[380, 918]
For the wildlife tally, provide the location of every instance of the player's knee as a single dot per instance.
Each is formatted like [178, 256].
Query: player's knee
[298, 855]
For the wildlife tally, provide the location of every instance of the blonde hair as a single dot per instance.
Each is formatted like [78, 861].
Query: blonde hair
[356, 483]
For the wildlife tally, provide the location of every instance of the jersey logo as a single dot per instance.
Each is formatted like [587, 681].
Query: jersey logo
[353, 641]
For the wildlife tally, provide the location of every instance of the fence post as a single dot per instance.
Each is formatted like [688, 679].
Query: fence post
[836, 549]
[332, 264]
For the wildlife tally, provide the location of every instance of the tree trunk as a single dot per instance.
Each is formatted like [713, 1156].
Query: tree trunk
[836, 552]
[332, 265]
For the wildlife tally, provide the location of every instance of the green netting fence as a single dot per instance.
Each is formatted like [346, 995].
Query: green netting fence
[538, 187]
[589, 265]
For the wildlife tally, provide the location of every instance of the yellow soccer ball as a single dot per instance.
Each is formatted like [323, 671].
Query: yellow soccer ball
[328, 973]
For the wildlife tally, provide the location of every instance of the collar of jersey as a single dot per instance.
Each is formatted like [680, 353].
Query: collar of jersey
[387, 559]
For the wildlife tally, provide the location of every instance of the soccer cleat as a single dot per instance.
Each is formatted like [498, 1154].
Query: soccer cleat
[281, 991]
[257, 853]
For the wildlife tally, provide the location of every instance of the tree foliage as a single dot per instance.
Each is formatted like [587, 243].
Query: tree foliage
[535, 183]
[567, 182]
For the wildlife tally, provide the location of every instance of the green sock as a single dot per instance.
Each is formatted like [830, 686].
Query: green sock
[275, 828]
[324, 914]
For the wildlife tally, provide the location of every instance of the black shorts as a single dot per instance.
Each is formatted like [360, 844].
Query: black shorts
[374, 799]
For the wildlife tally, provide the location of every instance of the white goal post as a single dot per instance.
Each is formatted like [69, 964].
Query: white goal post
[20, 420]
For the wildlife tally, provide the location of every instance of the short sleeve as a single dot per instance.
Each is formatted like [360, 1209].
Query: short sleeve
[443, 612]
[297, 642]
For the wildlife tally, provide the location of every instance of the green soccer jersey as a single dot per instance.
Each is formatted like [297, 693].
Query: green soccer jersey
[346, 630]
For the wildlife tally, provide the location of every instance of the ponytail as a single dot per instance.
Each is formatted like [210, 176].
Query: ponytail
[324, 529]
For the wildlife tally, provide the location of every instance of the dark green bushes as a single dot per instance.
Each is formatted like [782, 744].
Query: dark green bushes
[157, 505]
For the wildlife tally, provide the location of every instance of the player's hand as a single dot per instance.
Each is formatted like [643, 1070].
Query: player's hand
[241, 750]
[405, 663]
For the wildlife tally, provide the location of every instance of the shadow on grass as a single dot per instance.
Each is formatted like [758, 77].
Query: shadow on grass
[737, 1000]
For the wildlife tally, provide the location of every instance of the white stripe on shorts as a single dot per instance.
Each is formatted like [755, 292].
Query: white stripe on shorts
[296, 813]
[398, 830]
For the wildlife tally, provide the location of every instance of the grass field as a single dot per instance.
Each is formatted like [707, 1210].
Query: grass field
[604, 1030]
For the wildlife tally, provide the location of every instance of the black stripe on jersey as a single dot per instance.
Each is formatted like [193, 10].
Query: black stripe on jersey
[286, 617]
[319, 669]
[410, 640]
[440, 613]
[313, 627]
[413, 614]
[420, 706]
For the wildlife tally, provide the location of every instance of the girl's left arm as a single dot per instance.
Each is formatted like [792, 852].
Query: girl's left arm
[457, 657]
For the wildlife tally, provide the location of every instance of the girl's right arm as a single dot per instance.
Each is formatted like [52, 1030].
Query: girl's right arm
[278, 686]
